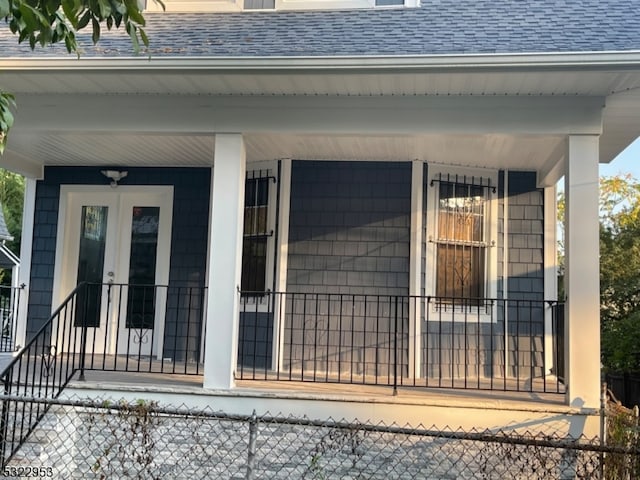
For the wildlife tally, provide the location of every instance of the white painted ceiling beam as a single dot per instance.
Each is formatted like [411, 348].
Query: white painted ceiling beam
[542, 115]
[553, 169]
[15, 162]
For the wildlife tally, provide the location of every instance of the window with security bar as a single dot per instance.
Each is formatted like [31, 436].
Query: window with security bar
[461, 241]
[256, 233]
[461, 229]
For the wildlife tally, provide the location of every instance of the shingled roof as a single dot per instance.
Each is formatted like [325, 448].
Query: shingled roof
[438, 27]
[4, 231]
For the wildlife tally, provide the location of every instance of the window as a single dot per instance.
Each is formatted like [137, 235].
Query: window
[257, 233]
[259, 4]
[461, 266]
[460, 241]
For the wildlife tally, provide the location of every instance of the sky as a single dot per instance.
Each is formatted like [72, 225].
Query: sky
[628, 161]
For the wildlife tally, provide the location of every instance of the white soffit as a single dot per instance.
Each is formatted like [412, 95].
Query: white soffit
[621, 123]
[492, 151]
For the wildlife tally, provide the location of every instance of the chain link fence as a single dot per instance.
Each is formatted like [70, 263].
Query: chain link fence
[622, 428]
[89, 439]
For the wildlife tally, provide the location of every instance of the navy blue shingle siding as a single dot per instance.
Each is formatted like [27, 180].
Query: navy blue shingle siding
[525, 237]
[349, 228]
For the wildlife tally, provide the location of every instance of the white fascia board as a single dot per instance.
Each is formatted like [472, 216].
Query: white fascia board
[583, 60]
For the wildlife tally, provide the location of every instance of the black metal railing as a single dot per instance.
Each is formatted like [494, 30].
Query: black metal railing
[146, 328]
[11, 300]
[486, 344]
[42, 369]
[106, 327]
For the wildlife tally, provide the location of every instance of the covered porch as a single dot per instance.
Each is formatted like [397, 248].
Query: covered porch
[423, 118]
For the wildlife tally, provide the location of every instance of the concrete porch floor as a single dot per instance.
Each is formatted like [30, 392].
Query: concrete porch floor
[441, 407]
[153, 377]
[149, 381]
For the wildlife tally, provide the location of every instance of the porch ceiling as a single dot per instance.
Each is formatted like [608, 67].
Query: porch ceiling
[490, 150]
[39, 147]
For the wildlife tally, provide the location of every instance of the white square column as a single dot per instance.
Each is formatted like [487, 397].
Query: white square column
[26, 247]
[582, 280]
[225, 261]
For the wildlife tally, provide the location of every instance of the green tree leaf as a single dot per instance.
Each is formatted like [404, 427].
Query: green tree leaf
[45, 22]
[96, 30]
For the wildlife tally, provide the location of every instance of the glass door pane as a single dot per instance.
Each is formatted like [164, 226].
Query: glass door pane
[93, 234]
[142, 267]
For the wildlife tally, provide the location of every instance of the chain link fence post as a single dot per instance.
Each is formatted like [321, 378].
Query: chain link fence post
[251, 454]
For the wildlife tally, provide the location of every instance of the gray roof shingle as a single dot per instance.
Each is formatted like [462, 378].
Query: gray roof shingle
[438, 27]
[4, 231]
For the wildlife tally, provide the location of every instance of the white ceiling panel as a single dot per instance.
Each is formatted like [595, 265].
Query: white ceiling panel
[493, 151]
[103, 149]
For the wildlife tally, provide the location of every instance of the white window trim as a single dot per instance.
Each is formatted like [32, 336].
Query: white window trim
[461, 314]
[195, 6]
[249, 303]
[280, 5]
[323, 4]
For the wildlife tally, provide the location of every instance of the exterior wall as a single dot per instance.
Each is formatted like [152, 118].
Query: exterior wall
[526, 237]
[349, 232]
[349, 228]
[526, 272]
[349, 237]
[255, 339]
[188, 242]
[456, 350]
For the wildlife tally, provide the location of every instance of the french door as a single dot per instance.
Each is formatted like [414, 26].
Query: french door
[118, 241]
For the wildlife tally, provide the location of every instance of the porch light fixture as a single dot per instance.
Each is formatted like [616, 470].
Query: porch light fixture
[115, 176]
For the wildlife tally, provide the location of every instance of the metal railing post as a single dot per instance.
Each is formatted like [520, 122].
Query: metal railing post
[83, 335]
[395, 350]
[251, 453]
[4, 420]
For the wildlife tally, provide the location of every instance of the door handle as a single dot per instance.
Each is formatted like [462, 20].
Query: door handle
[110, 284]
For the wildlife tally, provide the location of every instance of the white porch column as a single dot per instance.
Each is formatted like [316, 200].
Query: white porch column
[582, 283]
[550, 272]
[26, 243]
[225, 260]
[415, 270]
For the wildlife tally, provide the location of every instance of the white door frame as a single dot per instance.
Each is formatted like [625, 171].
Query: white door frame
[66, 247]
